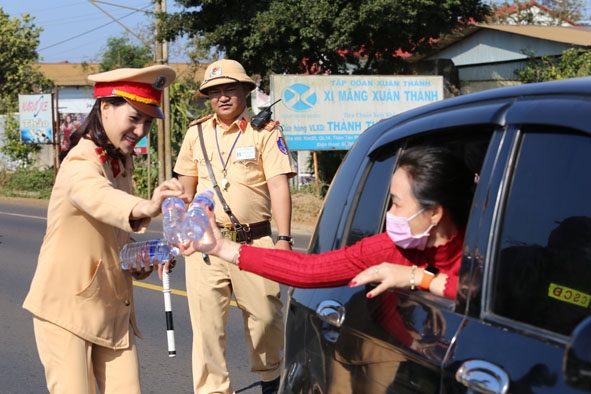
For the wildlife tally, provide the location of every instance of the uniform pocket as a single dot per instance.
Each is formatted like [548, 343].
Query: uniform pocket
[201, 163]
[92, 288]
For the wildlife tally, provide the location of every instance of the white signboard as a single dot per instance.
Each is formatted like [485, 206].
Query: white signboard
[36, 118]
[330, 111]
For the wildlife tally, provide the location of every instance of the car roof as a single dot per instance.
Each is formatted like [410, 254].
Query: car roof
[564, 103]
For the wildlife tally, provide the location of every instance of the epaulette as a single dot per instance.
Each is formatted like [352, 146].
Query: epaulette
[270, 125]
[197, 121]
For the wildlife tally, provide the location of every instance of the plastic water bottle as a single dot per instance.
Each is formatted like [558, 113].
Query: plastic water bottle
[173, 214]
[196, 221]
[134, 252]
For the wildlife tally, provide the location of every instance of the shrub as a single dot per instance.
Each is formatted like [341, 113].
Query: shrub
[27, 182]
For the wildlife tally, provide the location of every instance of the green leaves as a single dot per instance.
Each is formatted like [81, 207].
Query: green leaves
[573, 63]
[327, 36]
[121, 52]
[19, 39]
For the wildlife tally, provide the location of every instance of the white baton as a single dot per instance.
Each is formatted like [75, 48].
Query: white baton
[168, 311]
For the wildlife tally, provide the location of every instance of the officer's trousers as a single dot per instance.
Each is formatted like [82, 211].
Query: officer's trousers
[75, 366]
[209, 291]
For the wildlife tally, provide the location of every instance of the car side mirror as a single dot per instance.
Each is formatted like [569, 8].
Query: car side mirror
[576, 366]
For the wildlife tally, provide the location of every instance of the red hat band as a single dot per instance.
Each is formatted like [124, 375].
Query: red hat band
[135, 91]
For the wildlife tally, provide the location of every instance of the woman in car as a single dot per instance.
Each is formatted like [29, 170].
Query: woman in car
[431, 191]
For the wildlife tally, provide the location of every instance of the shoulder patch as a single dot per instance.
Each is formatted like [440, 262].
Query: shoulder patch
[282, 145]
[197, 121]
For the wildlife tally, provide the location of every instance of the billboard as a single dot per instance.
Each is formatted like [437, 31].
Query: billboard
[36, 118]
[326, 112]
[72, 113]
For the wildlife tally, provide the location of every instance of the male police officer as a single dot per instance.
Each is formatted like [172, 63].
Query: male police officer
[251, 166]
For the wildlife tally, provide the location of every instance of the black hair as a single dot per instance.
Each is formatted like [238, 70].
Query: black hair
[439, 177]
[92, 129]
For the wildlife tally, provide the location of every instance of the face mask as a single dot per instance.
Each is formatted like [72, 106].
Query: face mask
[398, 229]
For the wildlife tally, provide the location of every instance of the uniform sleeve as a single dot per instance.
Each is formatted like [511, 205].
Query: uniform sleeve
[90, 191]
[276, 157]
[185, 163]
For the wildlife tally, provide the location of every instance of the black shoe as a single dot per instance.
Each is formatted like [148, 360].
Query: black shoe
[270, 387]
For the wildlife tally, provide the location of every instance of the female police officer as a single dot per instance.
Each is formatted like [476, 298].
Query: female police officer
[81, 300]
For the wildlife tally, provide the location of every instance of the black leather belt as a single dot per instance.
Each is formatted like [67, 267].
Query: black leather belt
[247, 232]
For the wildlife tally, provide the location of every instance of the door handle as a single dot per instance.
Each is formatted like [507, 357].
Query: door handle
[483, 377]
[331, 312]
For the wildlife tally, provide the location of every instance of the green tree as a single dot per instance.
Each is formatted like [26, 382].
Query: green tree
[19, 39]
[311, 36]
[317, 36]
[572, 63]
[121, 52]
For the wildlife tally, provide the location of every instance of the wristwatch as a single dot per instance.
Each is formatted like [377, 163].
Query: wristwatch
[429, 274]
[285, 238]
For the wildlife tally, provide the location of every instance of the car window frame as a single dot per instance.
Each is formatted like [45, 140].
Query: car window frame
[499, 188]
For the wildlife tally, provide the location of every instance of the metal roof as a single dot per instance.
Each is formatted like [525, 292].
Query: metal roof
[75, 74]
[566, 35]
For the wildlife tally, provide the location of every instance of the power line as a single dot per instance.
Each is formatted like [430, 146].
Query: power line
[87, 32]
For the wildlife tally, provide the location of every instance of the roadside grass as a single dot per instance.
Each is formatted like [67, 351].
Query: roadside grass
[36, 184]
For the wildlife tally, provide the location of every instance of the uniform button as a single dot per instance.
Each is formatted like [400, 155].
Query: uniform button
[127, 302]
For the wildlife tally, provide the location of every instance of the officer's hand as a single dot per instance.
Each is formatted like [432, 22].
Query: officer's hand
[168, 266]
[143, 268]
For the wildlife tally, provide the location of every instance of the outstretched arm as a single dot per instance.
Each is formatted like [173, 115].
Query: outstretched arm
[396, 276]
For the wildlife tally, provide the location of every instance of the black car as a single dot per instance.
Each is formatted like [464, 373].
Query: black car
[521, 320]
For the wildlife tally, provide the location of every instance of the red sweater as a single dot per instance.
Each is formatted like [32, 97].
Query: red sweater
[338, 267]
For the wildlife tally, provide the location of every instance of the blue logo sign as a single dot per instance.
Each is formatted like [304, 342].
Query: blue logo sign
[299, 97]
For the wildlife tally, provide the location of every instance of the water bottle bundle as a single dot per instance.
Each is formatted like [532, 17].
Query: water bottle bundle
[178, 227]
[145, 252]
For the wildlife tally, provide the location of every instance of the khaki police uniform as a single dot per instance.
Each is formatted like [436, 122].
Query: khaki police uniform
[81, 299]
[251, 156]
[78, 284]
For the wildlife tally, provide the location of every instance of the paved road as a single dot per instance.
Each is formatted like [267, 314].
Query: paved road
[22, 225]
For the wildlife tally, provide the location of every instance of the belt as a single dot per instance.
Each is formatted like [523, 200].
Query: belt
[247, 232]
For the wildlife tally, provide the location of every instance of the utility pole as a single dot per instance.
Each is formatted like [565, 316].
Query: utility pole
[161, 50]
[164, 146]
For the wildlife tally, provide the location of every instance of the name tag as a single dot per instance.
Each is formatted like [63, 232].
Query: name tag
[246, 153]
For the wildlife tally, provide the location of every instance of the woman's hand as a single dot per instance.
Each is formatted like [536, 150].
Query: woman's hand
[152, 207]
[210, 242]
[388, 276]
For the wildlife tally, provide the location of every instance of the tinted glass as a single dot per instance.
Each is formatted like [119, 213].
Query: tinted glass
[373, 199]
[544, 273]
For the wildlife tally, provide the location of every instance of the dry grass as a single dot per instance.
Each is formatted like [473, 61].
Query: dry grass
[305, 209]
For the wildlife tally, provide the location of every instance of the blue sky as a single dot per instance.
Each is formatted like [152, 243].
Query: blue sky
[77, 31]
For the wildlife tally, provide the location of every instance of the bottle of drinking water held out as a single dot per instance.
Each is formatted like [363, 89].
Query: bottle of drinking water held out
[173, 214]
[144, 252]
[196, 221]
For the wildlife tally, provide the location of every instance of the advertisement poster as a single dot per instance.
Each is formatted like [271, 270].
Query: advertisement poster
[324, 112]
[36, 120]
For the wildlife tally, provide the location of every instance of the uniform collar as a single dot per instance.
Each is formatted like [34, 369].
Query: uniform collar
[104, 157]
[241, 122]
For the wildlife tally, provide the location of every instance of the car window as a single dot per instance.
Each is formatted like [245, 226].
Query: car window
[373, 199]
[543, 275]
[469, 143]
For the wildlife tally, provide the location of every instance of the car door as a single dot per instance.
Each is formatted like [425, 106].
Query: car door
[342, 342]
[530, 261]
